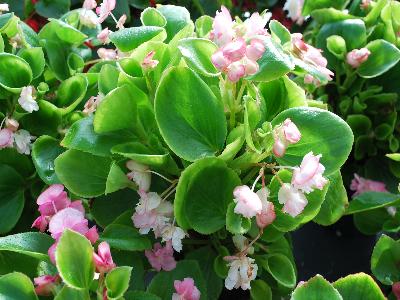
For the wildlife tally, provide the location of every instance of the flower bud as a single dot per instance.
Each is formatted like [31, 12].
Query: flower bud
[236, 71]
[236, 50]
[12, 124]
[255, 50]
[357, 56]
[220, 61]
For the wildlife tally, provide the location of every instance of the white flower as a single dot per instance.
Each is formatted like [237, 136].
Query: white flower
[27, 101]
[241, 272]
[139, 174]
[22, 141]
[248, 204]
[174, 233]
[107, 54]
[294, 8]
[4, 7]
[88, 18]
[294, 200]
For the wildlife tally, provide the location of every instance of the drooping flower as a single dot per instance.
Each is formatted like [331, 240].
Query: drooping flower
[174, 234]
[121, 21]
[89, 4]
[22, 141]
[139, 174]
[267, 214]
[103, 259]
[6, 138]
[41, 223]
[242, 270]
[107, 54]
[104, 36]
[12, 124]
[148, 62]
[52, 200]
[105, 9]
[357, 56]
[44, 285]
[294, 9]
[309, 175]
[294, 200]
[222, 28]
[285, 135]
[4, 7]
[361, 185]
[248, 204]
[161, 257]
[68, 218]
[27, 101]
[185, 290]
[251, 67]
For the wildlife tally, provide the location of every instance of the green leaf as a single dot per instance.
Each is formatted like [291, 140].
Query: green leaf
[384, 260]
[35, 58]
[260, 290]
[11, 197]
[197, 54]
[274, 63]
[34, 244]
[358, 287]
[16, 286]
[124, 237]
[335, 202]
[19, 162]
[44, 151]
[330, 15]
[203, 25]
[317, 135]
[68, 293]
[280, 32]
[190, 117]
[235, 223]
[371, 222]
[71, 92]
[204, 192]
[66, 32]
[140, 295]
[74, 257]
[317, 288]
[108, 79]
[394, 156]
[177, 18]
[117, 111]
[82, 173]
[282, 269]
[152, 17]
[311, 5]
[128, 39]
[371, 200]
[116, 179]
[20, 76]
[52, 9]
[384, 56]
[162, 284]
[117, 282]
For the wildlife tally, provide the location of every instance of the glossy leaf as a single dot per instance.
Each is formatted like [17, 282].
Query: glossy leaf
[16, 286]
[21, 75]
[358, 287]
[128, 39]
[260, 290]
[177, 18]
[117, 282]
[152, 17]
[124, 237]
[67, 293]
[282, 269]
[317, 288]
[35, 58]
[371, 200]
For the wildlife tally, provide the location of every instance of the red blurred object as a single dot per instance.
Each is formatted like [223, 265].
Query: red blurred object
[34, 1]
[89, 44]
[36, 22]
[153, 3]
[279, 14]
[33, 24]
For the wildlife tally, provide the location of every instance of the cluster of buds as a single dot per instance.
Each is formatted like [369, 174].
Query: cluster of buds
[88, 18]
[240, 45]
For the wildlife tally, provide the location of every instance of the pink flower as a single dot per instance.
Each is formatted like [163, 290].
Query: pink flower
[92, 235]
[139, 174]
[68, 218]
[361, 185]
[103, 259]
[357, 56]
[105, 9]
[121, 21]
[6, 138]
[219, 60]
[284, 135]
[27, 100]
[104, 36]
[251, 67]
[242, 270]
[255, 50]
[236, 71]
[294, 8]
[107, 54]
[161, 258]
[235, 50]
[52, 252]
[255, 25]
[309, 79]
[294, 200]
[41, 223]
[309, 175]
[12, 124]
[89, 4]
[267, 214]
[52, 200]
[248, 204]
[396, 290]
[222, 29]
[185, 290]
[77, 204]
[45, 284]
[148, 62]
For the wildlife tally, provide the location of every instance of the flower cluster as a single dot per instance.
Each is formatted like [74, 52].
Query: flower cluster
[240, 44]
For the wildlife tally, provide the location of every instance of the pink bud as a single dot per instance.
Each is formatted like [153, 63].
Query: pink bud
[12, 124]
[248, 204]
[185, 290]
[148, 62]
[267, 214]
[255, 50]
[103, 36]
[121, 21]
[41, 223]
[236, 71]
[219, 60]
[103, 259]
[107, 54]
[251, 67]
[161, 257]
[92, 235]
[357, 56]
[279, 148]
[292, 133]
[6, 138]
[236, 50]
[45, 284]
[52, 252]
[308, 79]
[284, 135]
[365, 4]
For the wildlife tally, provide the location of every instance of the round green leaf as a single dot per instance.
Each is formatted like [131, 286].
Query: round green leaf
[124, 237]
[52, 9]
[317, 135]
[128, 39]
[358, 287]
[279, 31]
[16, 286]
[35, 58]
[190, 117]
[68, 293]
[282, 269]
[108, 79]
[177, 18]
[152, 17]
[71, 92]
[117, 282]
[20, 76]
[235, 223]
[204, 25]
[74, 257]
[44, 151]
[19, 162]
[197, 55]
[260, 290]
[317, 288]
[371, 200]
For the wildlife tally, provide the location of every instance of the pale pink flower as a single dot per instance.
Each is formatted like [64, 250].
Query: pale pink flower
[235, 71]
[294, 200]
[44, 285]
[68, 218]
[92, 235]
[294, 9]
[52, 252]
[107, 54]
[52, 200]
[174, 234]
[255, 25]
[103, 259]
[12, 124]
[361, 185]
[161, 257]
[308, 176]
[121, 22]
[88, 18]
[285, 135]
[365, 4]
[41, 223]
[104, 36]
[148, 62]
[89, 4]
[22, 141]
[220, 61]
[309, 79]
[251, 67]
[140, 174]
[6, 138]
[77, 204]
[185, 290]
[248, 204]
[27, 101]
[255, 50]
[4, 7]
[267, 214]
[91, 105]
[235, 50]
[105, 9]
[242, 270]
[222, 28]
[357, 56]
